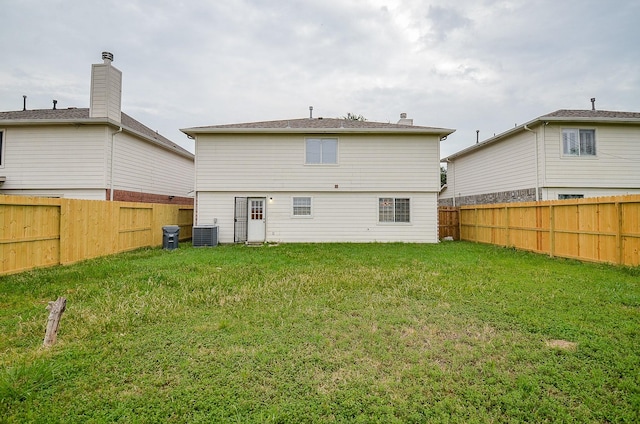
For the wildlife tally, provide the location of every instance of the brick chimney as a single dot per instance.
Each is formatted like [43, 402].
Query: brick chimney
[106, 89]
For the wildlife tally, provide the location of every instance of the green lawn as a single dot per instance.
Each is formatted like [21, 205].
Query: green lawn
[454, 332]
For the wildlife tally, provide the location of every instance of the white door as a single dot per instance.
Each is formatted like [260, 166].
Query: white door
[256, 222]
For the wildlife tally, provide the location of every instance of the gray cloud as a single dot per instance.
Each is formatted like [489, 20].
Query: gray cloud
[479, 65]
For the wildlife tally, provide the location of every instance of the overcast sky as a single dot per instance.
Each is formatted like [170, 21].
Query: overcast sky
[468, 65]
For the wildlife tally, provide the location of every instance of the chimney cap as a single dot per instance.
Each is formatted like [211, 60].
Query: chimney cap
[403, 115]
[107, 57]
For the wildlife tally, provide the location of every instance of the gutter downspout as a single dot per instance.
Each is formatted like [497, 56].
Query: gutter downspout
[113, 148]
[535, 133]
[453, 187]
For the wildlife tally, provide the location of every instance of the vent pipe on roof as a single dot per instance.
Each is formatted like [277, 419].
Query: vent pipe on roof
[24, 102]
[477, 136]
[593, 103]
[55, 102]
[310, 112]
[404, 120]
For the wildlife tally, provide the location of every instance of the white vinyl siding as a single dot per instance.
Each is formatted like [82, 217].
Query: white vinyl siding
[614, 170]
[505, 165]
[337, 217]
[54, 157]
[143, 167]
[75, 161]
[270, 163]
[106, 92]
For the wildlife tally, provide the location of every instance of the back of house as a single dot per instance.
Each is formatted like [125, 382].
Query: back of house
[318, 180]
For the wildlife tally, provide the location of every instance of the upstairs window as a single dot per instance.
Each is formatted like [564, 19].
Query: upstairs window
[321, 151]
[394, 210]
[1, 148]
[576, 142]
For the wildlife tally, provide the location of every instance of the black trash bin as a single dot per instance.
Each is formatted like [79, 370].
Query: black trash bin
[170, 236]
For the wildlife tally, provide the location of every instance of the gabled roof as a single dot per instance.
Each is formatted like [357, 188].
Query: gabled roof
[317, 125]
[81, 115]
[562, 115]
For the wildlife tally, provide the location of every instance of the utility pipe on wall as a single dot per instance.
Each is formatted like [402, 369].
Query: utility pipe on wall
[113, 148]
[454, 180]
[535, 133]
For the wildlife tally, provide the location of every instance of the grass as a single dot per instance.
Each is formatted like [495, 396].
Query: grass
[455, 332]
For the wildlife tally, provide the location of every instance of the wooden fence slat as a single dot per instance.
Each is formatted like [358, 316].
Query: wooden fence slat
[603, 229]
[37, 232]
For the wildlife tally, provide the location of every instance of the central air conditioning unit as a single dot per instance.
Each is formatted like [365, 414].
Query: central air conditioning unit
[204, 235]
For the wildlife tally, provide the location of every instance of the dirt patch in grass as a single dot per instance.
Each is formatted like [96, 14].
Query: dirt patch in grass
[562, 344]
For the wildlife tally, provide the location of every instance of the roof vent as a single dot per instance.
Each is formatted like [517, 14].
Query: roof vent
[107, 57]
[310, 112]
[404, 120]
[55, 102]
[593, 103]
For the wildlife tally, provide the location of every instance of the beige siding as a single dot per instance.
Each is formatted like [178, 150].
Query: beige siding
[615, 166]
[86, 194]
[276, 163]
[143, 167]
[336, 217]
[54, 157]
[504, 165]
[106, 92]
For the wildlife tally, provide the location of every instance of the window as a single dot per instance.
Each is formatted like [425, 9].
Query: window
[302, 206]
[1, 148]
[321, 151]
[393, 210]
[577, 142]
[570, 196]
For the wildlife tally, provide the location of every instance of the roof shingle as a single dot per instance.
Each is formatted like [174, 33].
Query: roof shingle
[311, 124]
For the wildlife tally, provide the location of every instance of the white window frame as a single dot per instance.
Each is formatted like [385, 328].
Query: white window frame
[573, 136]
[321, 159]
[394, 211]
[294, 206]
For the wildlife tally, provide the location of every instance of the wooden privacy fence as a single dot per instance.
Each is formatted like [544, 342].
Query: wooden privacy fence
[603, 229]
[448, 222]
[38, 232]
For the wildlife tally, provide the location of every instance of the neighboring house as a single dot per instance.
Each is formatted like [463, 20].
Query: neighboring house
[565, 154]
[319, 180]
[85, 153]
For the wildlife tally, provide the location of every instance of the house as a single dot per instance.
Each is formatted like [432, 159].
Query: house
[319, 180]
[564, 154]
[92, 153]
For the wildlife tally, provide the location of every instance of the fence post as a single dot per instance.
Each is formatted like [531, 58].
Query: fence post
[619, 233]
[552, 236]
[507, 227]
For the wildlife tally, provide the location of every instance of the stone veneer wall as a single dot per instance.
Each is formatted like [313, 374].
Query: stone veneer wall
[133, 196]
[511, 196]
